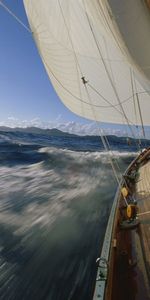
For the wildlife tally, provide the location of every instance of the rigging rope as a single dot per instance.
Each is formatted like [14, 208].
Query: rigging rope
[144, 213]
[140, 113]
[109, 148]
[139, 109]
[135, 110]
[134, 100]
[102, 136]
[15, 17]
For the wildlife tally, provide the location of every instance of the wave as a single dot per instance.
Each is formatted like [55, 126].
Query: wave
[59, 139]
[46, 208]
[99, 154]
[54, 206]
[51, 184]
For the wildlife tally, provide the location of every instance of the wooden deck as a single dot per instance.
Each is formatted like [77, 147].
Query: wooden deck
[143, 197]
[128, 267]
[130, 260]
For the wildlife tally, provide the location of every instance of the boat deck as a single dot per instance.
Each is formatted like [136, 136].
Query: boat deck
[129, 258]
[143, 197]
[130, 266]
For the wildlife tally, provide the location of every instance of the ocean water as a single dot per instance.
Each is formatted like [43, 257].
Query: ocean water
[55, 197]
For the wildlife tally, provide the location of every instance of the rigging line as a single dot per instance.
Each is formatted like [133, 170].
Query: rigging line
[110, 66]
[102, 137]
[144, 92]
[104, 140]
[110, 79]
[115, 109]
[139, 108]
[140, 113]
[111, 105]
[107, 54]
[133, 96]
[15, 17]
[135, 110]
[108, 144]
[144, 213]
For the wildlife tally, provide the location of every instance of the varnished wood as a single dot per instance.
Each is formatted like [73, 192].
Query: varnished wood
[143, 196]
[129, 263]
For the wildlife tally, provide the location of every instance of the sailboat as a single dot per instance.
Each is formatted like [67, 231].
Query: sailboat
[96, 54]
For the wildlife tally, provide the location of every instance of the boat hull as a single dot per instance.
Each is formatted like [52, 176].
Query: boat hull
[128, 266]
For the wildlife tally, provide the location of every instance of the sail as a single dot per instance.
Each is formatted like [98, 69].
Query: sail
[133, 19]
[87, 60]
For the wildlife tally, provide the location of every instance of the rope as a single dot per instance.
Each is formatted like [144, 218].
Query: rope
[135, 110]
[109, 148]
[134, 102]
[15, 17]
[140, 113]
[107, 101]
[144, 213]
[102, 138]
[139, 108]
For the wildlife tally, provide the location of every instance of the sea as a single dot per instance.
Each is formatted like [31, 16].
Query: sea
[56, 194]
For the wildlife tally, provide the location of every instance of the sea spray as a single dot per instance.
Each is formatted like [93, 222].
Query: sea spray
[54, 208]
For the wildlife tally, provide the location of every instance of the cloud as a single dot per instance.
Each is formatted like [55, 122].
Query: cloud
[90, 128]
[71, 127]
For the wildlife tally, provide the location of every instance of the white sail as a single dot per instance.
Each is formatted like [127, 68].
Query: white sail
[87, 61]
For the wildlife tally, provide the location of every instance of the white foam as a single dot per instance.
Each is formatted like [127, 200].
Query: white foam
[97, 154]
[45, 192]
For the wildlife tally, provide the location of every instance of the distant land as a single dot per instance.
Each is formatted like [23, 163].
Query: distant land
[58, 133]
[36, 130]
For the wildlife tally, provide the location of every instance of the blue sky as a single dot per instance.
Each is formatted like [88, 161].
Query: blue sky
[26, 94]
[25, 90]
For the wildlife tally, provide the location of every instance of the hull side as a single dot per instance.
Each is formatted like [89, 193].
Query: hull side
[128, 265]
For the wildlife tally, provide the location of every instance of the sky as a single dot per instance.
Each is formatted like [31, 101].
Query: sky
[27, 97]
[25, 90]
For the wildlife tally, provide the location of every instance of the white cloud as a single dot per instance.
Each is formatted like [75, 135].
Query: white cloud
[90, 128]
